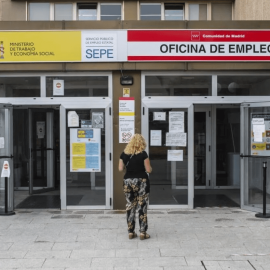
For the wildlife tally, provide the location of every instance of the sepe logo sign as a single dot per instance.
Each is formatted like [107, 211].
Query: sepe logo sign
[99, 46]
[58, 85]
[195, 35]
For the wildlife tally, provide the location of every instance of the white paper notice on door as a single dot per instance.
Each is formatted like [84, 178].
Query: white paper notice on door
[2, 142]
[155, 139]
[126, 128]
[159, 116]
[175, 155]
[258, 137]
[176, 139]
[73, 119]
[40, 130]
[259, 128]
[58, 87]
[126, 119]
[257, 121]
[176, 122]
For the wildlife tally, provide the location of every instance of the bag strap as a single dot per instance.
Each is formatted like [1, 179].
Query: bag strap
[129, 160]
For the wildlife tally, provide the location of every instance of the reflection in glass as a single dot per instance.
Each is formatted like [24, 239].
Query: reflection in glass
[87, 12]
[150, 12]
[243, 85]
[178, 85]
[110, 12]
[197, 12]
[36, 158]
[174, 12]
[94, 86]
[3, 152]
[63, 12]
[228, 147]
[39, 11]
[19, 86]
[199, 148]
[86, 188]
[253, 189]
[169, 179]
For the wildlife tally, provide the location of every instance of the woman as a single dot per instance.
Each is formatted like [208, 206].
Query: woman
[136, 183]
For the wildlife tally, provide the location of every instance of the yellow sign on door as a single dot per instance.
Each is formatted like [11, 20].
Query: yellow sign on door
[258, 146]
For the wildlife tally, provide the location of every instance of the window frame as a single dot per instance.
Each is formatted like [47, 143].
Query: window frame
[110, 4]
[75, 16]
[77, 11]
[185, 8]
[59, 3]
[151, 4]
[208, 9]
[162, 9]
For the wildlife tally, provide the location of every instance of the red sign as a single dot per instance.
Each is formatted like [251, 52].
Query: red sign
[198, 45]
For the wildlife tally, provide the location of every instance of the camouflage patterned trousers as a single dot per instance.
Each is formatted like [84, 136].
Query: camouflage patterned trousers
[137, 193]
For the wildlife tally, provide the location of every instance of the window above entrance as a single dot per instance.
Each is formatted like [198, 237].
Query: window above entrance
[78, 86]
[178, 85]
[192, 11]
[19, 86]
[243, 85]
[74, 11]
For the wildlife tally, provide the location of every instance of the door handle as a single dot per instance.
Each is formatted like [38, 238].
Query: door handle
[11, 156]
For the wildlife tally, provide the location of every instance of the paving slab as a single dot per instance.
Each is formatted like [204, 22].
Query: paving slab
[201, 239]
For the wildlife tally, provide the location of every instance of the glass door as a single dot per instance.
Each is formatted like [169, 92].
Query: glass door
[169, 135]
[86, 167]
[226, 173]
[42, 151]
[202, 146]
[255, 149]
[6, 151]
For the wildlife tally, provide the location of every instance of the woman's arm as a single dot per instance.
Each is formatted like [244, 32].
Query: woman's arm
[147, 165]
[121, 165]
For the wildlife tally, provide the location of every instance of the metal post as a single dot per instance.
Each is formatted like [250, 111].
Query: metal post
[264, 215]
[6, 212]
[6, 195]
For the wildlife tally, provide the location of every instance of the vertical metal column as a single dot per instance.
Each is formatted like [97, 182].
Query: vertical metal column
[30, 167]
[264, 215]
[50, 152]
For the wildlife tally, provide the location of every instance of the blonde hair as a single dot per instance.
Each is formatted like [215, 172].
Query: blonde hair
[136, 145]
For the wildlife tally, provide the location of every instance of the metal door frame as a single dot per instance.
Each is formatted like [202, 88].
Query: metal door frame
[8, 146]
[169, 103]
[208, 142]
[92, 103]
[244, 124]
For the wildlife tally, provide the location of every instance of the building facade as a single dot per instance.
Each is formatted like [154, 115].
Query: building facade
[191, 76]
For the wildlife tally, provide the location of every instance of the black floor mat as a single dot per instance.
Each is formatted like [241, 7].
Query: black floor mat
[47, 201]
[213, 200]
[40, 202]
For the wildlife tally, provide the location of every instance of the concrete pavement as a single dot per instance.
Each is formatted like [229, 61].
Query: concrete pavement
[200, 239]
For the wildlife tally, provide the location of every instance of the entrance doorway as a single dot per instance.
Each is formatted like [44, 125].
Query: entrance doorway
[36, 157]
[217, 156]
